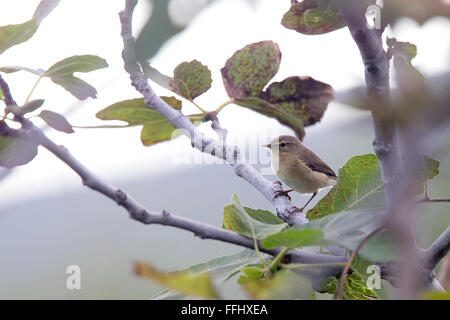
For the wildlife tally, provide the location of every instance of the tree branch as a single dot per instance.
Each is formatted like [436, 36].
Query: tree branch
[140, 213]
[397, 186]
[376, 65]
[285, 210]
[438, 250]
[33, 134]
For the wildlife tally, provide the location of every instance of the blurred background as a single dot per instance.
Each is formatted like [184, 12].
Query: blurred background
[49, 221]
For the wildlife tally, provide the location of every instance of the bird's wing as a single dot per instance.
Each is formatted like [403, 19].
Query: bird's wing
[315, 163]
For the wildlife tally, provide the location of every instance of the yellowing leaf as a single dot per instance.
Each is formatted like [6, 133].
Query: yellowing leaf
[155, 129]
[193, 285]
[282, 285]
[222, 268]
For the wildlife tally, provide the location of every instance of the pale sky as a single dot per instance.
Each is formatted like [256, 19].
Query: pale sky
[92, 27]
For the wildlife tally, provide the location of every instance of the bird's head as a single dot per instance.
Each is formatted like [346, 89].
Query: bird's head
[283, 144]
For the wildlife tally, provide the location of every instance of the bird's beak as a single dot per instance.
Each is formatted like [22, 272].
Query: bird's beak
[267, 145]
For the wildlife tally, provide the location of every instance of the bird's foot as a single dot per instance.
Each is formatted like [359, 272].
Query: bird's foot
[282, 192]
[298, 210]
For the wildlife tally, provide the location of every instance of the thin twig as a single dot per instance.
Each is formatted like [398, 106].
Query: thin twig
[348, 264]
[425, 200]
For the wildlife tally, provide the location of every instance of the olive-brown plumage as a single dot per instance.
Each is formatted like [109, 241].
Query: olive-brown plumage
[298, 167]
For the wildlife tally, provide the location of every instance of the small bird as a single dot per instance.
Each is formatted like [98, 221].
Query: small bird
[299, 168]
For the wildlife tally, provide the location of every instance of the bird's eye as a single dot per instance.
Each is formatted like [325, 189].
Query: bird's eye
[283, 144]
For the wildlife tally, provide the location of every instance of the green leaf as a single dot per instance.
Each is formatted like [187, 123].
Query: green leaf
[250, 69]
[428, 168]
[263, 216]
[133, 111]
[223, 268]
[191, 79]
[355, 288]
[292, 238]
[15, 152]
[56, 121]
[28, 107]
[361, 267]
[14, 34]
[155, 129]
[196, 285]
[348, 229]
[360, 186]
[251, 273]
[236, 218]
[61, 73]
[403, 53]
[173, 102]
[313, 17]
[83, 63]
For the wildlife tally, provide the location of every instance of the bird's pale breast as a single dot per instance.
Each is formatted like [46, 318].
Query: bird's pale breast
[296, 175]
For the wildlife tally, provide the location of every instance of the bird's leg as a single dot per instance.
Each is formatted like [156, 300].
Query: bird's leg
[282, 192]
[312, 197]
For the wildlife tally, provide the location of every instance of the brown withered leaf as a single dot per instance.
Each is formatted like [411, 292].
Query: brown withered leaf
[303, 97]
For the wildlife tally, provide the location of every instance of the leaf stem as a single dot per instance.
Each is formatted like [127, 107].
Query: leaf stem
[274, 264]
[199, 108]
[32, 89]
[104, 126]
[223, 105]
